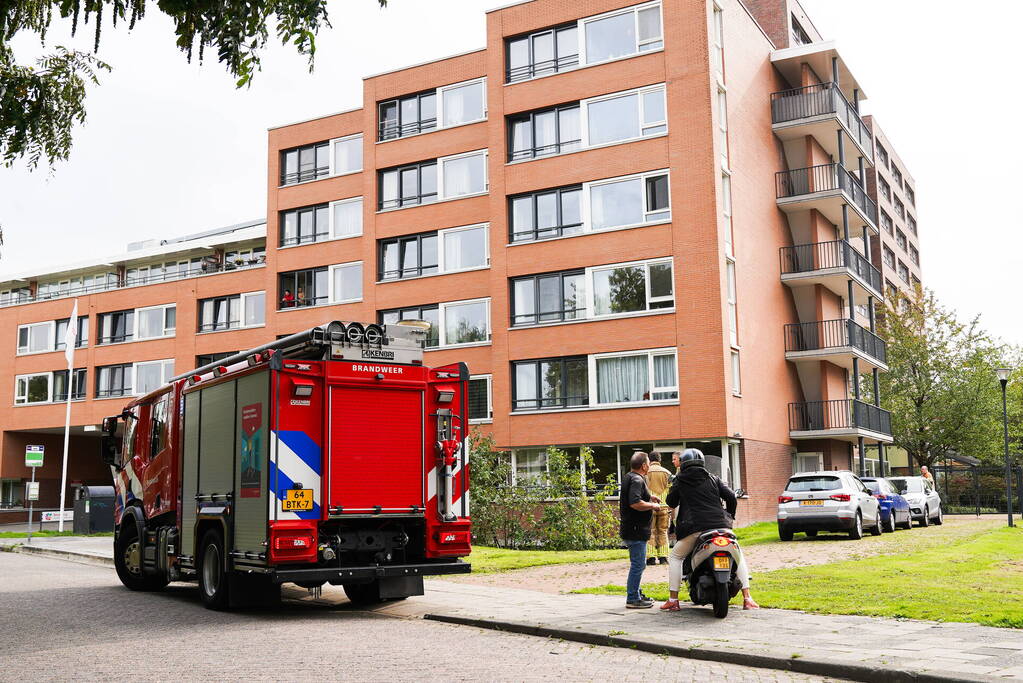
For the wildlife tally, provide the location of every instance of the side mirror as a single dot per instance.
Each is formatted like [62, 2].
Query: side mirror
[109, 450]
[110, 425]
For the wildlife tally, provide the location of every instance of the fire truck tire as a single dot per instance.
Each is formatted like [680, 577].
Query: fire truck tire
[213, 583]
[363, 593]
[128, 560]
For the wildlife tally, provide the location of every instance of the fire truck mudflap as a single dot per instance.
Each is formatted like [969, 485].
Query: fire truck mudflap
[332, 455]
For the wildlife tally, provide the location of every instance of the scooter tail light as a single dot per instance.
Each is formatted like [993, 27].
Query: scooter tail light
[720, 541]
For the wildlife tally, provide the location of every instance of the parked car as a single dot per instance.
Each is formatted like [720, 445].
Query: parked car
[894, 507]
[827, 501]
[924, 501]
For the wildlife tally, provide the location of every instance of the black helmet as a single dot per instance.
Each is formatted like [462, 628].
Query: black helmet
[691, 457]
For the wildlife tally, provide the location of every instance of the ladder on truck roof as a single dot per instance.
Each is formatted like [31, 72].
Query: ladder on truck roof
[337, 340]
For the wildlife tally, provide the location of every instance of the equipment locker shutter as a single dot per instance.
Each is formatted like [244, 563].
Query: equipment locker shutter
[216, 457]
[250, 501]
[189, 472]
[376, 449]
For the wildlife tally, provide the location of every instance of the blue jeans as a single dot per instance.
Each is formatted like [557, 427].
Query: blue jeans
[637, 563]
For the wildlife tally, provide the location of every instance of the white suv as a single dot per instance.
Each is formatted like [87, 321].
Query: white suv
[924, 501]
[827, 501]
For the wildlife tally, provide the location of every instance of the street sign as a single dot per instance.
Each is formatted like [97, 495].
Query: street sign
[31, 490]
[34, 456]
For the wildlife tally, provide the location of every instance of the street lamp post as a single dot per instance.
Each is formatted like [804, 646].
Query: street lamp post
[1003, 379]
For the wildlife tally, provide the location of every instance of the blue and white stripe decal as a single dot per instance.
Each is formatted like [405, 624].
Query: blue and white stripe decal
[298, 460]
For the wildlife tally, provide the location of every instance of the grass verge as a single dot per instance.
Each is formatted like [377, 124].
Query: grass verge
[976, 579]
[21, 534]
[486, 559]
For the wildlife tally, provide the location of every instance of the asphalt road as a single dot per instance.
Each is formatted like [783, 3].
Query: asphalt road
[60, 620]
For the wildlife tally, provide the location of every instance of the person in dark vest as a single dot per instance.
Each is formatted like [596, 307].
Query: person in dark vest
[635, 507]
[698, 494]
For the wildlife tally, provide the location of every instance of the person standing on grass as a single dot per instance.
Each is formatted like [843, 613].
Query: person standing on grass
[658, 480]
[636, 506]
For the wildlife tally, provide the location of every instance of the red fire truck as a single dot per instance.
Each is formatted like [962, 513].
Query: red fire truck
[332, 455]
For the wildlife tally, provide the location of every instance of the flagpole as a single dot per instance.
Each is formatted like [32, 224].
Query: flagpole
[70, 340]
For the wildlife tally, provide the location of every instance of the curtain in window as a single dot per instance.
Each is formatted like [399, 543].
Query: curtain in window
[463, 104]
[348, 219]
[665, 376]
[616, 204]
[464, 176]
[622, 380]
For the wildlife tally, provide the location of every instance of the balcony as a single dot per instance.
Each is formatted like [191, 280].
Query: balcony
[821, 110]
[832, 265]
[846, 420]
[825, 188]
[836, 341]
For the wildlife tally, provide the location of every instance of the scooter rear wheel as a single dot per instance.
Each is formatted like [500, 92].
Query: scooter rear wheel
[721, 598]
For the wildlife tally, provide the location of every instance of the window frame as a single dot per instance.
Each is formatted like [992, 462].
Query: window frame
[535, 278]
[591, 308]
[165, 374]
[318, 172]
[482, 81]
[242, 298]
[129, 333]
[443, 322]
[167, 331]
[419, 313]
[531, 67]
[535, 231]
[51, 335]
[584, 115]
[333, 223]
[81, 334]
[399, 170]
[485, 153]
[298, 211]
[315, 299]
[635, 10]
[75, 373]
[534, 152]
[736, 366]
[418, 237]
[332, 270]
[732, 301]
[24, 397]
[489, 383]
[587, 207]
[127, 381]
[538, 400]
[419, 129]
[650, 354]
[333, 156]
[902, 267]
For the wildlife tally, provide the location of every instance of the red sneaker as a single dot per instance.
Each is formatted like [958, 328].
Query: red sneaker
[671, 606]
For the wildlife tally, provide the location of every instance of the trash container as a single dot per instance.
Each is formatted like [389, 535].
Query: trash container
[94, 510]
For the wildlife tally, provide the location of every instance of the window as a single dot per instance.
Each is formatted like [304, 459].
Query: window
[886, 221]
[896, 176]
[305, 163]
[430, 314]
[912, 223]
[634, 377]
[232, 312]
[530, 466]
[302, 226]
[900, 239]
[914, 255]
[541, 215]
[884, 188]
[916, 282]
[36, 337]
[630, 201]
[799, 36]
[736, 374]
[630, 288]
[733, 308]
[430, 253]
[890, 288]
[542, 53]
[113, 380]
[910, 195]
[207, 359]
[550, 383]
[723, 125]
[900, 208]
[543, 133]
[152, 375]
[60, 387]
[309, 287]
[625, 116]
[904, 272]
[117, 326]
[463, 103]
[452, 323]
[346, 155]
[347, 281]
[158, 425]
[481, 408]
[462, 175]
[620, 34]
[882, 154]
[718, 42]
[889, 256]
[408, 115]
[32, 388]
[155, 322]
[550, 297]
[81, 334]
[410, 185]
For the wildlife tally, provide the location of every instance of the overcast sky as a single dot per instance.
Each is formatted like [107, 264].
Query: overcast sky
[171, 148]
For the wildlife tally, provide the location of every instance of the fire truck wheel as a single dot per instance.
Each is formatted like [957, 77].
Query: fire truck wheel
[128, 561]
[363, 593]
[213, 585]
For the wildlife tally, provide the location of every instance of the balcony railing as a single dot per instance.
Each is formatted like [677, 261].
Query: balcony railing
[826, 178]
[832, 334]
[806, 258]
[814, 416]
[134, 281]
[818, 100]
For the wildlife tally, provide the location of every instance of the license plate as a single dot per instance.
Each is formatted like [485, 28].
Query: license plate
[722, 562]
[811, 502]
[297, 499]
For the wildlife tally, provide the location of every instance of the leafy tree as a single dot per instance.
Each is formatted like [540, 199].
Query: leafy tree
[40, 103]
[940, 387]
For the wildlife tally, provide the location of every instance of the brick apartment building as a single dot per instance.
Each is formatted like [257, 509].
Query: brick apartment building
[642, 225]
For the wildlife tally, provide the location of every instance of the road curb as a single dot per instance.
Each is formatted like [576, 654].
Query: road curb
[67, 555]
[804, 665]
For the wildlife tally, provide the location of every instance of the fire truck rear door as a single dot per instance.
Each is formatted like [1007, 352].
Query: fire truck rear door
[377, 453]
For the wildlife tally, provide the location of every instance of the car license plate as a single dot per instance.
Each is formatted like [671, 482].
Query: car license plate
[297, 499]
[722, 562]
[811, 502]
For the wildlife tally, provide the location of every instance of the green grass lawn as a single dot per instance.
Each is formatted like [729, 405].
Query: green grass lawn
[755, 534]
[975, 579]
[486, 559]
[21, 534]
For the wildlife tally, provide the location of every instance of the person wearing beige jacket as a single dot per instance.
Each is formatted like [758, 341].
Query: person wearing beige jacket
[658, 480]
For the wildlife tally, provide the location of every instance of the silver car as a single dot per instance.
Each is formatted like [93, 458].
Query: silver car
[924, 501]
[827, 501]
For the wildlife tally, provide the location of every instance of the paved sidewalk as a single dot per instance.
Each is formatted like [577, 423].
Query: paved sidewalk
[84, 549]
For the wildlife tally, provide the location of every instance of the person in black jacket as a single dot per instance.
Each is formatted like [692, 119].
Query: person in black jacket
[698, 494]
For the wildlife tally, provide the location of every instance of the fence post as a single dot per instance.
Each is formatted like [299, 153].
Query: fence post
[976, 488]
[1019, 488]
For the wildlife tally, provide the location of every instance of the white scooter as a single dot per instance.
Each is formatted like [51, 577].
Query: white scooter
[710, 570]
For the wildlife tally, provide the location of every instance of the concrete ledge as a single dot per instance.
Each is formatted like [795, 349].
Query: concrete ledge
[804, 665]
[67, 555]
